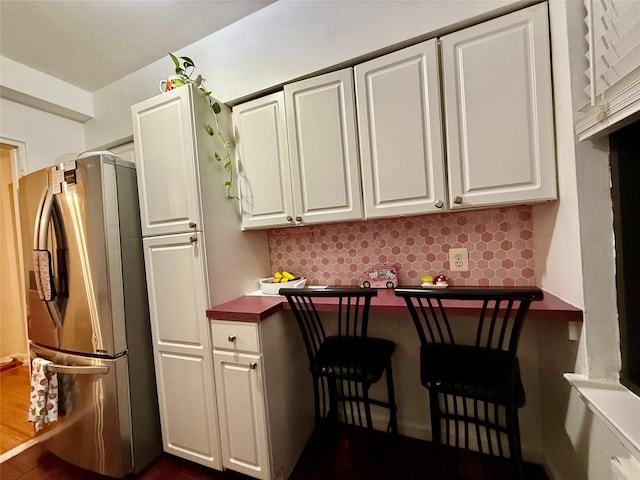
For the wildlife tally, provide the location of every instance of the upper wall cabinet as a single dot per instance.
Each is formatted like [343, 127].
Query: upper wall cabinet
[298, 155]
[499, 111]
[398, 99]
[263, 162]
[321, 124]
[299, 163]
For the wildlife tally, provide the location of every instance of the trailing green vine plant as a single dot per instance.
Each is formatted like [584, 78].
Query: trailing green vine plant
[185, 71]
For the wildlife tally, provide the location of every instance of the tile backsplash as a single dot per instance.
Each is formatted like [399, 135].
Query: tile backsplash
[499, 241]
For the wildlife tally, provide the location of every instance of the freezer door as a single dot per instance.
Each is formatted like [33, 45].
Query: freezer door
[71, 238]
[93, 430]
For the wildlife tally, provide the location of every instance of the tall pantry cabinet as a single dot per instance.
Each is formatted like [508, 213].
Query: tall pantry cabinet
[196, 256]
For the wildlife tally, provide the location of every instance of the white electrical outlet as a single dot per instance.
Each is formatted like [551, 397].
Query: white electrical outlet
[458, 260]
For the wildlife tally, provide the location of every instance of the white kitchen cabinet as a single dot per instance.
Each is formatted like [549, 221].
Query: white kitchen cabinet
[262, 155]
[240, 395]
[498, 111]
[402, 156]
[323, 146]
[196, 256]
[165, 148]
[264, 395]
[176, 284]
[498, 124]
[298, 155]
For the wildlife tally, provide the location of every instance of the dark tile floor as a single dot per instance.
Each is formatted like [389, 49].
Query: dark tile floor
[345, 454]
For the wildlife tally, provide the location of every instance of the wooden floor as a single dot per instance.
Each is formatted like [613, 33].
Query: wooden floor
[331, 454]
[14, 403]
[346, 454]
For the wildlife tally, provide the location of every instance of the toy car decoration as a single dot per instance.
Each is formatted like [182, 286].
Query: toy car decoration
[380, 276]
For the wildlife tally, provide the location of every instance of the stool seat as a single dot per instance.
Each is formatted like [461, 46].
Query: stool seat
[349, 358]
[481, 374]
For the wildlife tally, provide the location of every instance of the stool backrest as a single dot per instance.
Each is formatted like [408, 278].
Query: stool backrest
[498, 313]
[352, 309]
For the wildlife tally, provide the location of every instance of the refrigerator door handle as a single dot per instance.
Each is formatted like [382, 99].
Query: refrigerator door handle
[43, 221]
[36, 226]
[85, 370]
[41, 255]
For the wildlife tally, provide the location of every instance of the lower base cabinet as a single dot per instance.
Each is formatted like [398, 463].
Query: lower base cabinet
[264, 395]
[241, 411]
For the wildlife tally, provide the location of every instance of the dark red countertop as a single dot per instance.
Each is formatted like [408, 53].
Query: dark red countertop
[254, 308]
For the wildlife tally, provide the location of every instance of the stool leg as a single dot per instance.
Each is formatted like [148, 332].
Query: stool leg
[333, 399]
[391, 398]
[434, 410]
[513, 432]
[316, 397]
[367, 405]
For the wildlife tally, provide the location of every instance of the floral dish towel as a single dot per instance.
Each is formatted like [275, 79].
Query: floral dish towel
[43, 407]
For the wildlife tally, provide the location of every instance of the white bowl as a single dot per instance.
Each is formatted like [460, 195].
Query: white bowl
[267, 286]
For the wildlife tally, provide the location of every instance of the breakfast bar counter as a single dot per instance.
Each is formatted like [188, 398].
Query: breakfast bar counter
[257, 307]
[266, 323]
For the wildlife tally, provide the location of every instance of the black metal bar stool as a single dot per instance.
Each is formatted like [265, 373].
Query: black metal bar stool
[469, 364]
[344, 361]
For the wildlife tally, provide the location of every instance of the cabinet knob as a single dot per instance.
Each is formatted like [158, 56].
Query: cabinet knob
[289, 219]
[192, 225]
[298, 218]
[439, 204]
[231, 338]
[457, 200]
[253, 365]
[193, 238]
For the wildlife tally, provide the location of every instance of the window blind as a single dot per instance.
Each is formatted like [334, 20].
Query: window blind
[613, 55]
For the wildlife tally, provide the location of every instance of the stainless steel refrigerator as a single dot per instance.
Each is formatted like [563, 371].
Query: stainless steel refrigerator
[87, 312]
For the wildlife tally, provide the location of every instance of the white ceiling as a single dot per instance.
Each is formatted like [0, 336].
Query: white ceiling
[92, 43]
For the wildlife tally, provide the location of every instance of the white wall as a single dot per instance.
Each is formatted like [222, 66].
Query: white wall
[284, 41]
[31, 87]
[46, 136]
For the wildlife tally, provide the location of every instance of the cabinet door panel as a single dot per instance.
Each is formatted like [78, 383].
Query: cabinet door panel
[400, 132]
[241, 407]
[189, 426]
[324, 155]
[176, 286]
[166, 163]
[498, 105]
[263, 162]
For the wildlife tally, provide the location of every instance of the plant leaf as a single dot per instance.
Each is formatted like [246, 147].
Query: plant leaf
[209, 129]
[188, 62]
[216, 107]
[217, 155]
[176, 62]
[227, 166]
[198, 81]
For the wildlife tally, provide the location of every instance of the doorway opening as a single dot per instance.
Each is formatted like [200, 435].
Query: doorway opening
[15, 431]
